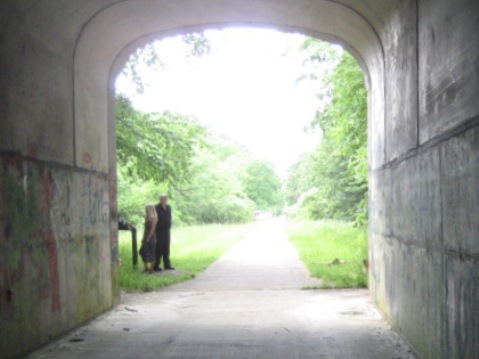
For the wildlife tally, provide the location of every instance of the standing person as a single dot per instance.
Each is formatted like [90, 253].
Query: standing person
[163, 238]
[147, 249]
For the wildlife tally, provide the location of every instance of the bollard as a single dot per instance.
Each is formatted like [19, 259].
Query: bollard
[134, 246]
[125, 226]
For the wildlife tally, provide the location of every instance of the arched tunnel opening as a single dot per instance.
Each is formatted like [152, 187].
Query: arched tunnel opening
[260, 88]
[58, 220]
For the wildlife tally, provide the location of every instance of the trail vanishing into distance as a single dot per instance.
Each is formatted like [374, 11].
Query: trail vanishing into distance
[248, 304]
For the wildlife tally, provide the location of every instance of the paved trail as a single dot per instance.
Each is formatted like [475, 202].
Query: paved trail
[249, 304]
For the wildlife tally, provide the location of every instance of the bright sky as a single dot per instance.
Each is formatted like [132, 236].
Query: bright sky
[245, 88]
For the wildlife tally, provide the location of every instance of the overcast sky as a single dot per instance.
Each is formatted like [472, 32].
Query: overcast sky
[245, 88]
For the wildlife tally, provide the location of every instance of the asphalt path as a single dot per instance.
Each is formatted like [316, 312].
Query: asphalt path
[248, 304]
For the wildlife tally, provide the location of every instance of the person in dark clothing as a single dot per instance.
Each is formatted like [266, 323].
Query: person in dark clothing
[163, 238]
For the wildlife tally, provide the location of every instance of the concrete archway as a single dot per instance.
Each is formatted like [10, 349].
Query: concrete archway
[112, 33]
[57, 179]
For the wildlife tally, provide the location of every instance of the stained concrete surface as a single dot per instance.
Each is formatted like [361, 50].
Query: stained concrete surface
[249, 304]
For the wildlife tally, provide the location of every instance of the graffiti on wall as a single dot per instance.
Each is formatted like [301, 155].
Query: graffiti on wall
[50, 219]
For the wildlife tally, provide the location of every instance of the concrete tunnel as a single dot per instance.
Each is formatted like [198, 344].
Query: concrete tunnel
[58, 220]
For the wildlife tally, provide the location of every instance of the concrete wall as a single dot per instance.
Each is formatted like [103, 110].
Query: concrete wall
[424, 199]
[58, 246]
[58, 252]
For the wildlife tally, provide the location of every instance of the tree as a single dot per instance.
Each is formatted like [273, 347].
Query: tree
[216, 193]
[344, 150]
[199, 45]
[156, 147]
[332, 181]
[299, 179]
[147, 59]
[263, 186]
[154, 153]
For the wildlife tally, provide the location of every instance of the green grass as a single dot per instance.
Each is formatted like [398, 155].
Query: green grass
[322, 242]
[193, 249]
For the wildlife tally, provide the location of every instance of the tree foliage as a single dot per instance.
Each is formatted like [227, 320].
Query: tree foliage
[198, 43]
[147, 59]
[158, 146]
[216, 193]
[209, 178]
[263, 186]
[332, 181]
[154, 152]
[145, 56]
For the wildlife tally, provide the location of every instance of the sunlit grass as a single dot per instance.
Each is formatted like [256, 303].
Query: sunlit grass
[193, 249]
[333, 251]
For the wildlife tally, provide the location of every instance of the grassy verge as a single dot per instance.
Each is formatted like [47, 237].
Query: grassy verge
[193, 249]
[333, 251]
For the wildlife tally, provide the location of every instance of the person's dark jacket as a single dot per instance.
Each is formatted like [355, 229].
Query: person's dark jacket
[164, 217]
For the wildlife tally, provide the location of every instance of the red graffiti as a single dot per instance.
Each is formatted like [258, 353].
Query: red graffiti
[48, 188]
[54, 278]
[46, 259]
[49, 286]
[87, 157]
[13, 164]
[32, 149]
[48, 192]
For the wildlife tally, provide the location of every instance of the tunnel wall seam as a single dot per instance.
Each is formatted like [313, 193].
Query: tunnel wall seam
[418, 113]
[52, 164]
[454, 132]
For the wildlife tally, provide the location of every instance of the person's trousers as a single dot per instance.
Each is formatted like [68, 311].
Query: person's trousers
[162, 248]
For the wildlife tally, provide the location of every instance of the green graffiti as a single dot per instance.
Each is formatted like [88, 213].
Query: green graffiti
[78, 241]
[22, 217]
